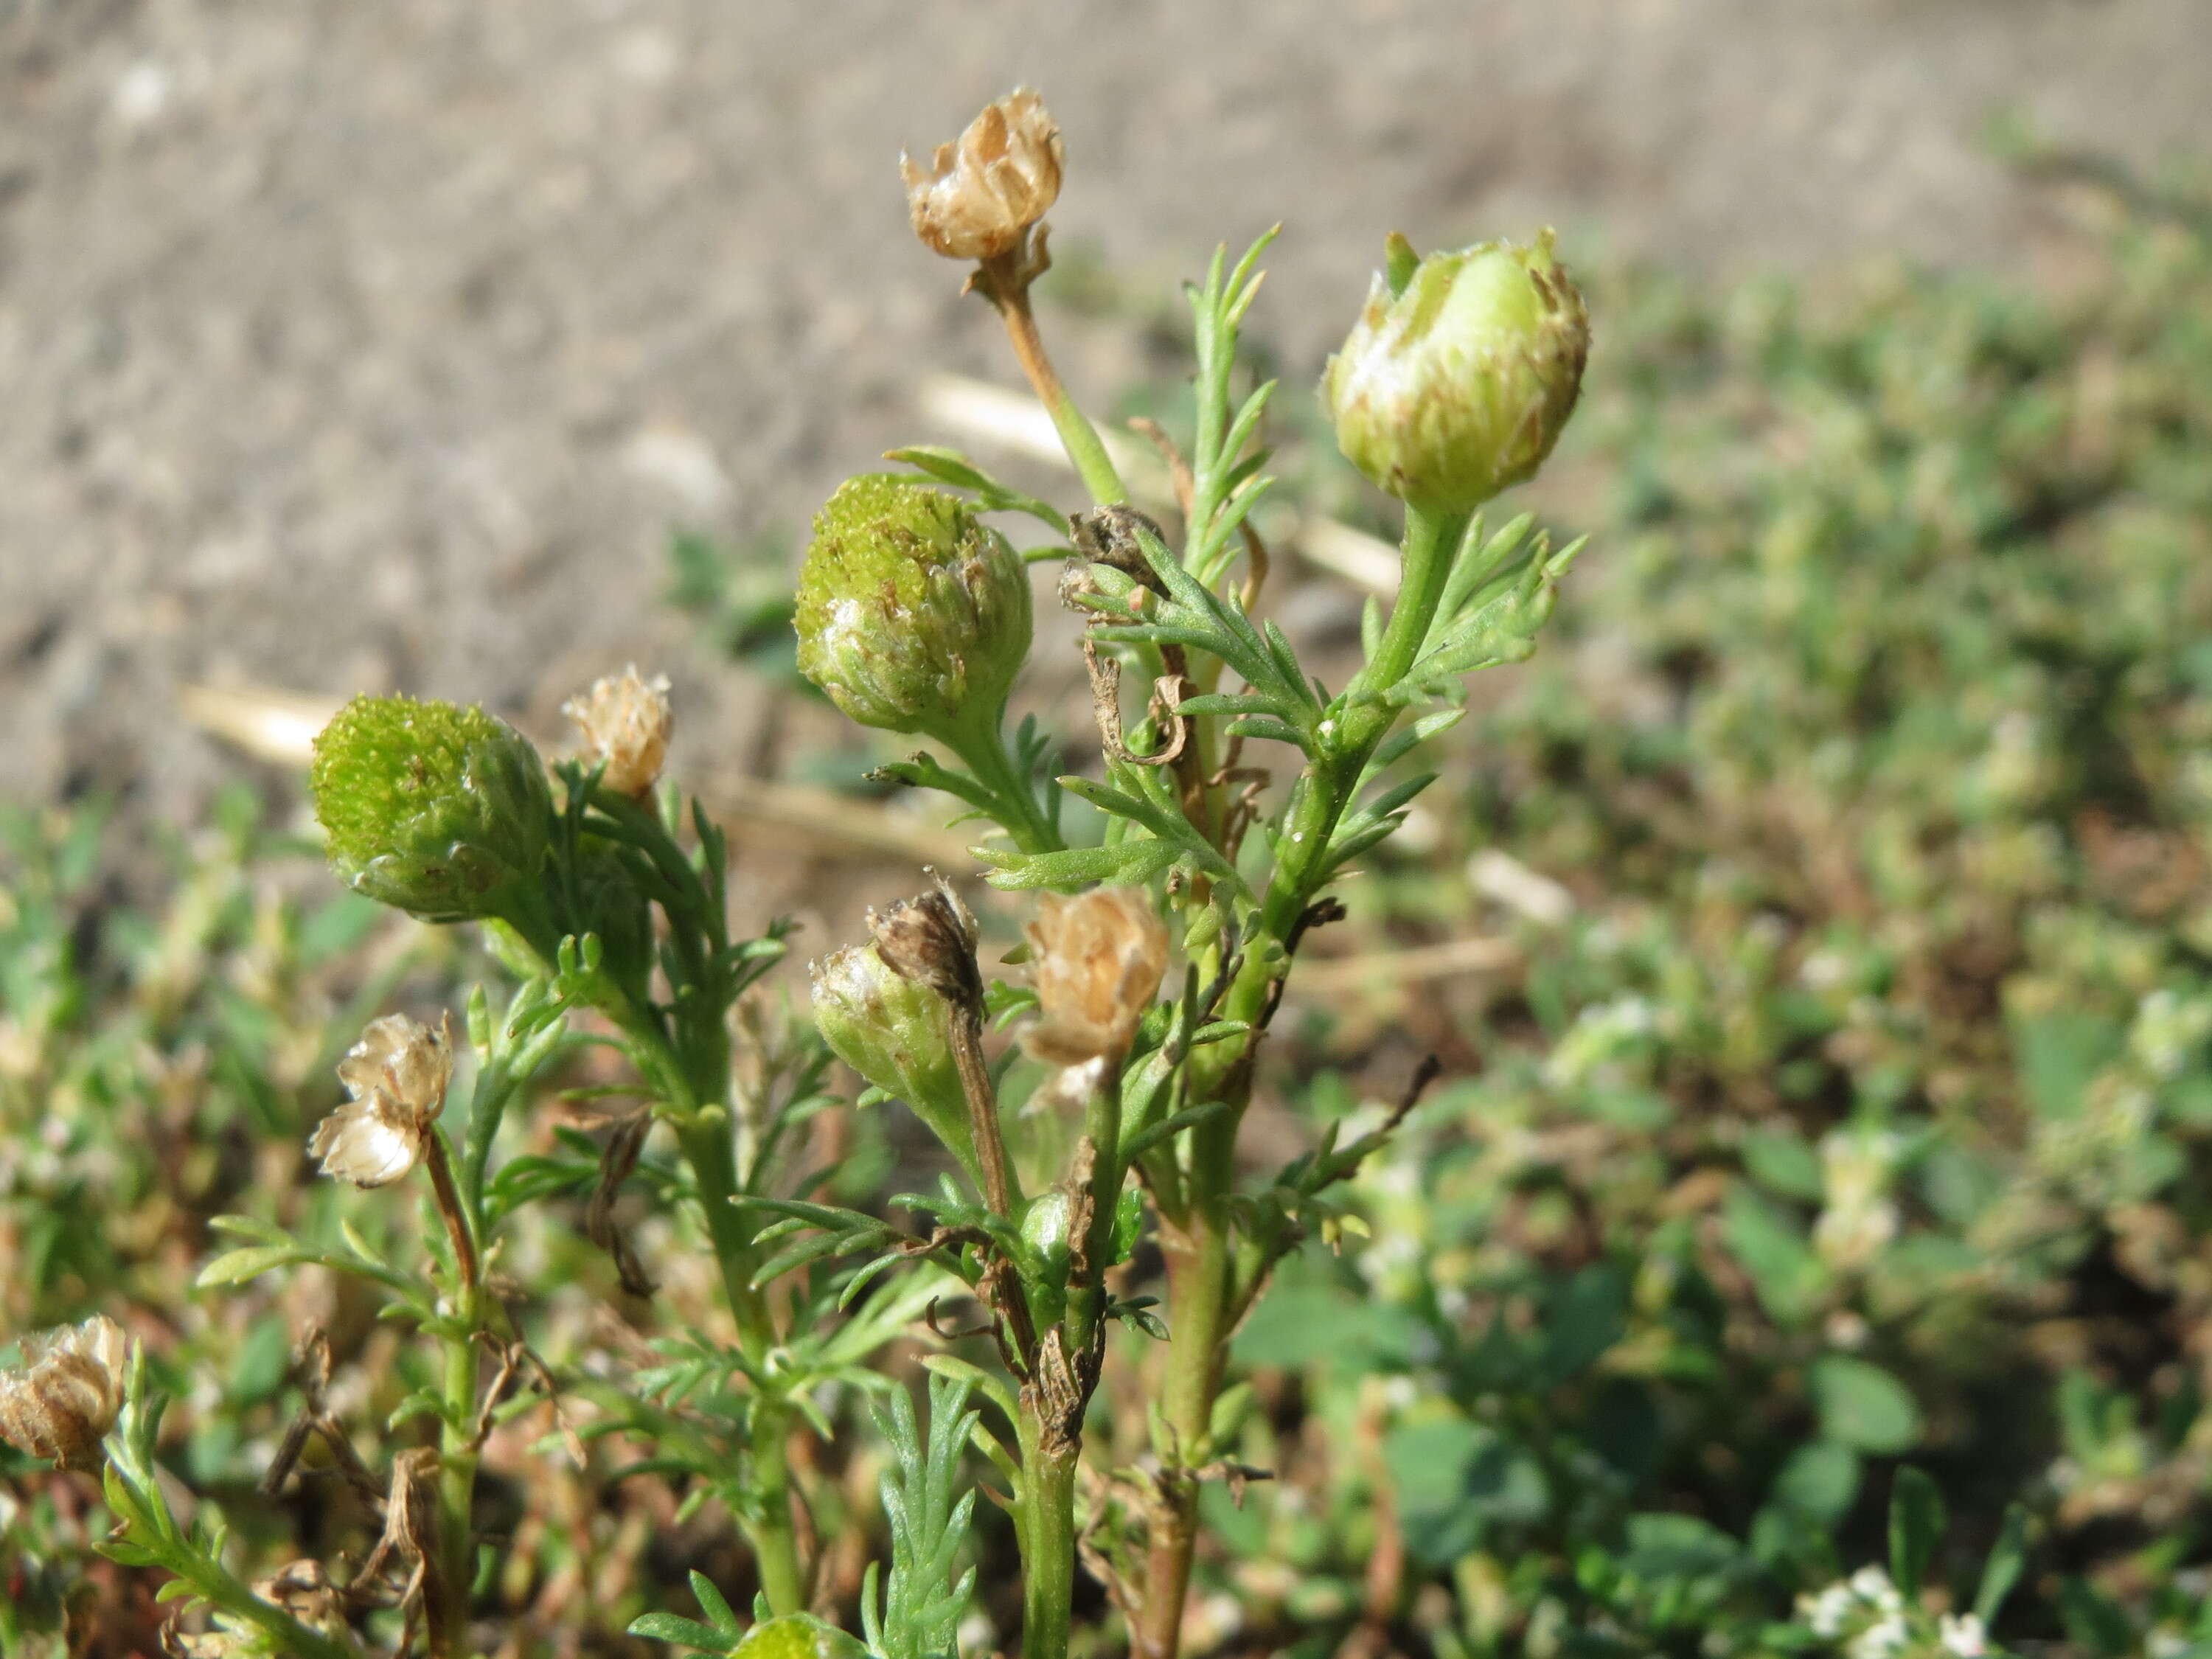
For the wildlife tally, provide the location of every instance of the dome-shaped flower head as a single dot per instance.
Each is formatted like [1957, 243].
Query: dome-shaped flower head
[1460, 373]
[913, 614]
[440, 810]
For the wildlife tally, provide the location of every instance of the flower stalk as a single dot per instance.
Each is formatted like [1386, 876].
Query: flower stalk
[1006, 285]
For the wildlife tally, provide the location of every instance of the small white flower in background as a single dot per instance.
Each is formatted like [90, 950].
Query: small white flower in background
[1606, 1037]
[2169, 1031]
[977, 1634]
[1962, 1633]
[1883, 1639]
[65, 1395]
[1872, 1585]
[1823, 970]
[397, 1076]
[626, 720]
[1826, 1613]
[1859, 1219]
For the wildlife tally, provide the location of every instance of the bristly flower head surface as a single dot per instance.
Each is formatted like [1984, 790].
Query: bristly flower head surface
[438, 810]
[913, 615]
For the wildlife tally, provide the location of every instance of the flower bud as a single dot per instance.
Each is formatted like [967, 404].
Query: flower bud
[65, 1395]
[1097, 960]
[1045, 1223]
[440, 810]
[1460, 373]
[912, 613]
[626, 720]
[798, 1636]
[979, 196]
[891, 1030]
[396, 1079]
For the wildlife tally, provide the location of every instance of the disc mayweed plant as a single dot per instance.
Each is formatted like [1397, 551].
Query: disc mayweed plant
[1234, 791]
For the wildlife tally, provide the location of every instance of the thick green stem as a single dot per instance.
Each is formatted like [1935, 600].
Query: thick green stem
[689, 1068]
[1046, 1533]
[697, 1073]
[1202, 1260]
[1430, 542]
[457, 1448]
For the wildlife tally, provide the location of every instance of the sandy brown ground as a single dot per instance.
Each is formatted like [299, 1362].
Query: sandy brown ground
[376, 344]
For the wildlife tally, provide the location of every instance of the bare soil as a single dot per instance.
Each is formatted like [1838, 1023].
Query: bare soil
[378, 345]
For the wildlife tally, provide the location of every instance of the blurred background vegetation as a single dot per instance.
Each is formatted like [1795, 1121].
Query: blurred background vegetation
[1818, 938]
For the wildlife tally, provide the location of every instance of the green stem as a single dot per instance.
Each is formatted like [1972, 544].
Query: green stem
[1010, 292]
[689, 1067]
[980, 743]
[1430, 542]
[1199, 1263]
[706, 1146]
[1045, 1526]
[457, 1479]
[697, 1074]
[294, 1638]
[1202, 1260]
[1102, 1127]
[1325, 788]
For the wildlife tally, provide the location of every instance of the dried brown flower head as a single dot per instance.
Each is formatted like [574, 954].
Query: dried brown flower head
[979, 196]
[1097, 960]
[626, 720]
[397, 1077]
[65, 1396]
[931, 940]
[303, 1588]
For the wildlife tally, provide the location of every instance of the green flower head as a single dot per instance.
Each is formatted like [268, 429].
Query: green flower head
[1460, 373]
[440, 810]
[891, 1030]
[798, 1636]
[913, 615]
